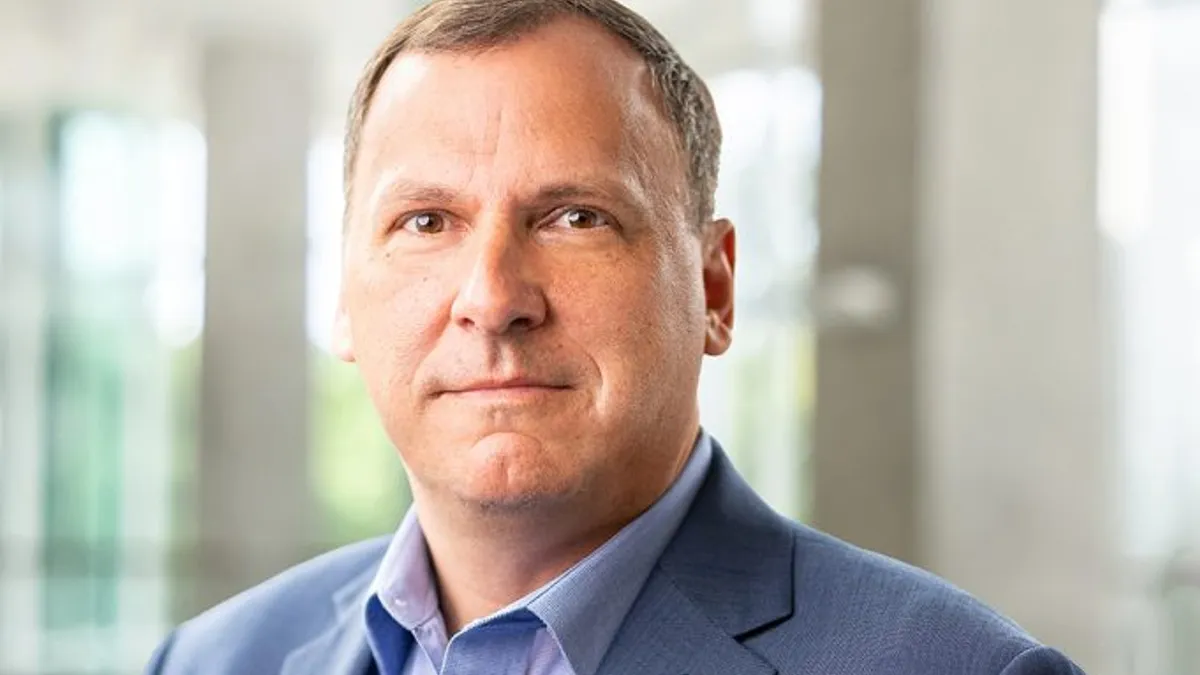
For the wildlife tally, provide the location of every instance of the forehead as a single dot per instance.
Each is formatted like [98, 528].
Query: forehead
[567, 97]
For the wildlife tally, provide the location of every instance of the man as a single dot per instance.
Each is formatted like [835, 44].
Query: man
[533, 275]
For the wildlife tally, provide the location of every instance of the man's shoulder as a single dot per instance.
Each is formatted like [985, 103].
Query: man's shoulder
[265, 623]
[828, 569]
[309, 586]
[893, 614]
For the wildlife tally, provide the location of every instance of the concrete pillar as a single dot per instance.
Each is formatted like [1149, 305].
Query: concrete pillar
[962, 416]
[254, 497]
[864, 429]
[26, 200]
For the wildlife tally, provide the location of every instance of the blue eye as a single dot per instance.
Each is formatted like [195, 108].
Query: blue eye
[583, 219]
[425, 222]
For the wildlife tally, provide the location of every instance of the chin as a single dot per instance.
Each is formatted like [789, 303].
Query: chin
[511, 471]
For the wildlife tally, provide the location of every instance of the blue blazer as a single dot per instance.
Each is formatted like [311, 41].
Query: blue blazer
[739, 590]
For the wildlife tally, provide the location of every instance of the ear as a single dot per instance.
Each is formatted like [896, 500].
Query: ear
[720, 255]
[343, 337]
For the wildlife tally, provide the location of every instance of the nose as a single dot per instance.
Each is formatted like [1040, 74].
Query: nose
[497, 296]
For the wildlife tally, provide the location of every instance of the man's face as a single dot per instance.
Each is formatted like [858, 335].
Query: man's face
[525, 292]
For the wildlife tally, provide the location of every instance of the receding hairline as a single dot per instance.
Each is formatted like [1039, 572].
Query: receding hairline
[430, 43]
[677, 93]
[649, 141]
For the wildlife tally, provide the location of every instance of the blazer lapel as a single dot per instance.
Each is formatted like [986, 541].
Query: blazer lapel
[726, 573]
[666, 634]
[342, 649]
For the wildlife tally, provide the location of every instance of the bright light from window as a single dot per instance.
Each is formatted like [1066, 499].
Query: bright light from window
[324, 237]
[177, 292]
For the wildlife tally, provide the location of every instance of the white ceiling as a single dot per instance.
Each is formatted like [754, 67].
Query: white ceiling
[144, 54]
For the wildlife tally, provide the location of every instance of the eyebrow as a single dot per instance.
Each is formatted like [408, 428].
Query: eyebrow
[599, 189]
[404, 190]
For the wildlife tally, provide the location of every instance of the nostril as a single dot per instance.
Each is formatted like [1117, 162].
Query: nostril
[521, 323]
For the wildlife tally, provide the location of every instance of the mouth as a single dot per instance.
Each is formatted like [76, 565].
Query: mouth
[514, 388]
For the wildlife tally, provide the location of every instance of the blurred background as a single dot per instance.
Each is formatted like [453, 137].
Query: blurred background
[968, 304]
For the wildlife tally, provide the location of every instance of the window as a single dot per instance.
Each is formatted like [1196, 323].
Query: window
[1150, 212]
[106, 304]
[358, 479]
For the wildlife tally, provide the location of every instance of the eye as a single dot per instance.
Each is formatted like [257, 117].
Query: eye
[425, 222]
[582, 219]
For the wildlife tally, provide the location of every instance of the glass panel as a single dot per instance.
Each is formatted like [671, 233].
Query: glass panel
[757, 399]
[1150, 211]
[359, 481]
[123, 285]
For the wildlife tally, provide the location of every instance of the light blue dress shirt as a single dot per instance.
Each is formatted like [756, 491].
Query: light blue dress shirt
[563, 628]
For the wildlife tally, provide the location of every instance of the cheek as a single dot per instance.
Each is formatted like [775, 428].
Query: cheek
[639, 320]
[394, 322]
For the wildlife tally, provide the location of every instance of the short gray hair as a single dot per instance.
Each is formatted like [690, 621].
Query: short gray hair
[469, 25]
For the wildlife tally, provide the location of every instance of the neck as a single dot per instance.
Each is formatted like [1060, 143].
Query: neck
[484, 559]
[481, 566]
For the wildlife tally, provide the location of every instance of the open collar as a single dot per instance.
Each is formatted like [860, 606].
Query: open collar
[727, 572]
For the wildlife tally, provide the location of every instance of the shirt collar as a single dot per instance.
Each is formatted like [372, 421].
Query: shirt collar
[584, 606]
[404, 583]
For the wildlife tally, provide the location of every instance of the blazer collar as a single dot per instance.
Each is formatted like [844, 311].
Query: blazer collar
[733, 555]
[342, 649]
[728, 572]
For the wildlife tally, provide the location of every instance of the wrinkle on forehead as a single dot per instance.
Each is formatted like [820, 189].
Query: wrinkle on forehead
[468, 117]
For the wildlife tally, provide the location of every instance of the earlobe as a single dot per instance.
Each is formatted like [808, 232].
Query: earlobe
[720, 256]
[718, 337]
